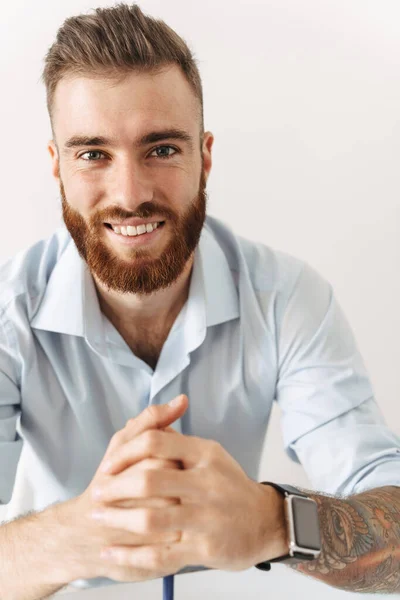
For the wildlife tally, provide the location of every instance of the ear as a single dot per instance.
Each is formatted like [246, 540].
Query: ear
[208, 141]
[52, 148]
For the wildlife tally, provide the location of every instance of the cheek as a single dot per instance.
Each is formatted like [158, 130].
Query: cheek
[83, 193]
[180, 188]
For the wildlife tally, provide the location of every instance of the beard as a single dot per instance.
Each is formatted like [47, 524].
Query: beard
[139, 273]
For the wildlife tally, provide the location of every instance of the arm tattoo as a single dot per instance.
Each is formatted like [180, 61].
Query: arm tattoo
[360, 540]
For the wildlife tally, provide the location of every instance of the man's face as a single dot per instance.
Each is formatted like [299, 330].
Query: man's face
[147, 165]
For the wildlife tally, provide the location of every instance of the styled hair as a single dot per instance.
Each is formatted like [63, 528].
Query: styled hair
[111, 43]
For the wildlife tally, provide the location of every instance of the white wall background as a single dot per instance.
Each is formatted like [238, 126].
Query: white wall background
[304, 100]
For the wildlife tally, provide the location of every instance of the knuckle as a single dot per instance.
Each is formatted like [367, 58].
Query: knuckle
[155, 558]
[146, 483]
[93, 492]
[176, 536]
[148, 521]
[213, 450]
[117, 439]
[151, 440]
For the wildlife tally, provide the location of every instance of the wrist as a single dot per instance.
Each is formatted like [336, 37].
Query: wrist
[302, 526]
[276, 537]
[67, 563]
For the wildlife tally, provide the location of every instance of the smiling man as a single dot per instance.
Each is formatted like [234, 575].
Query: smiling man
[139, 299]
[136, 233]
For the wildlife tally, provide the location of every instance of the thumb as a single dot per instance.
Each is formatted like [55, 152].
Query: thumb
[153, 417]
[157, 416]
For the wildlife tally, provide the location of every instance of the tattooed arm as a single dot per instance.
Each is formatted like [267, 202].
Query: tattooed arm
[360, 540]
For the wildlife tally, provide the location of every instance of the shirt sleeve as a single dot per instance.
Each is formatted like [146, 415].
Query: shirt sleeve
[10, 410]
[330, 421]
[352, 453]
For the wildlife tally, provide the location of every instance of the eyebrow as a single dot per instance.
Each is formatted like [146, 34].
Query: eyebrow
[78, 141]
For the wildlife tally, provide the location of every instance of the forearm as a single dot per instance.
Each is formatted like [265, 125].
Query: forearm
[360, 541]
[31, 556]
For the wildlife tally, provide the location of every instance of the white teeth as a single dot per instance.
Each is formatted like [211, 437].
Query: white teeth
[130, 230]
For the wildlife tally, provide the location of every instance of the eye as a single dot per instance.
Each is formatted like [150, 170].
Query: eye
[92, 155]
[164, 151]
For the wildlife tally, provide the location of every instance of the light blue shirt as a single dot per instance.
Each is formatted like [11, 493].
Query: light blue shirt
[258, 326]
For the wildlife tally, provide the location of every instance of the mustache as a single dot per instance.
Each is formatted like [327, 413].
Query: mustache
[144, 211]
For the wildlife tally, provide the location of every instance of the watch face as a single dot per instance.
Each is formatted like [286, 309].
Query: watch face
[306, 523]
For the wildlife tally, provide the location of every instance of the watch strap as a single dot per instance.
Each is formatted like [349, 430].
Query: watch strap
[285, 489]
[288, 559]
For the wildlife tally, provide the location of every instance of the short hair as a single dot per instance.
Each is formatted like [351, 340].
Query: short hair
[114, 41]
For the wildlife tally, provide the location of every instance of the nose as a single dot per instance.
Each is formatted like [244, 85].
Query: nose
[131, 186]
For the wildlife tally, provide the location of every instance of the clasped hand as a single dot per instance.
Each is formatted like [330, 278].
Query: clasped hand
[211, 513]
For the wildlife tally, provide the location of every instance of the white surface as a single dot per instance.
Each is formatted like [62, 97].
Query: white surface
[303, 99]
[282, 583]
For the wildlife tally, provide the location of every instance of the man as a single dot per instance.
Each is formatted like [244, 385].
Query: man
[141, 299]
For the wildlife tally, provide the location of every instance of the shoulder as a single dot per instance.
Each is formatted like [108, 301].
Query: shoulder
[262, 267]
[24, 277]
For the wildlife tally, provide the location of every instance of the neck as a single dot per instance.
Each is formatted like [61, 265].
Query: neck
[132, 309]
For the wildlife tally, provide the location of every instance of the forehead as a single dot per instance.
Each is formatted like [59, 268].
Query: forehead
[126, 106]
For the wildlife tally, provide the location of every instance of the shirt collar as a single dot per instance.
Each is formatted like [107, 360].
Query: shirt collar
[70, 304]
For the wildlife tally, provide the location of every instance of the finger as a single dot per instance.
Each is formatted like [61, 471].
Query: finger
[153, 417]
[149, 463]
[152, 483]
[156, 416]
[121, 536]
[152, 463]
[157, 463]
[150, 502]
[168, 558]
[190, 450]
[146, 502]
[153, 521]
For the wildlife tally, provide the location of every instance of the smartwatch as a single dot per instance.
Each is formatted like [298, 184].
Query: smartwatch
[302, 521]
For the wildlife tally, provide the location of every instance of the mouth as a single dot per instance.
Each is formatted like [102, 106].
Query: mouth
[134, 231]
[135, 236]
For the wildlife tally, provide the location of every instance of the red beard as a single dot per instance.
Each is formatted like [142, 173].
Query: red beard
[141, 275]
